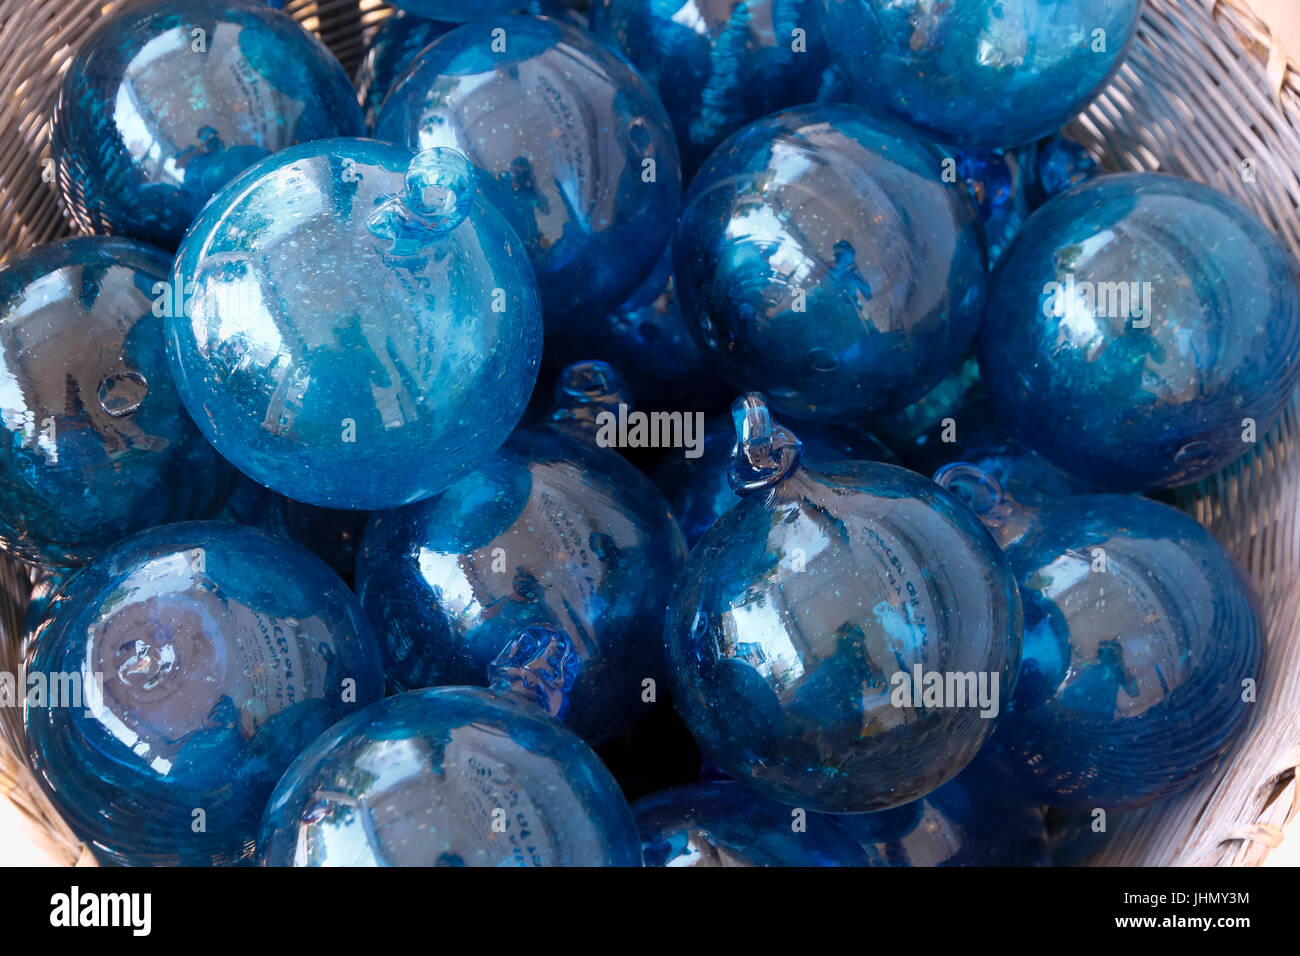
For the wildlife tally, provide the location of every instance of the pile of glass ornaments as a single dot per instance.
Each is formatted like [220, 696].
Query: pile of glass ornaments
[358, 474]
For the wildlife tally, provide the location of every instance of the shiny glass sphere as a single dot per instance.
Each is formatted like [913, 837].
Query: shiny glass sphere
[206, 656]
[94, 441]
[550, 530]
[814, 621]
[1141, 635]
[450, 776]
[167, 101]
[1142, 331]
[354, 326]
[570, 143]
[718, 64]
[822, 258]
[979, 73]
[975, 819]
[699, 490]
[723, 824]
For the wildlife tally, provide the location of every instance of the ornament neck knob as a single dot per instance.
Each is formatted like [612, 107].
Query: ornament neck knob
[980, 492]
[439, 189]
[539, 666]
[583, 391]
[764, 453]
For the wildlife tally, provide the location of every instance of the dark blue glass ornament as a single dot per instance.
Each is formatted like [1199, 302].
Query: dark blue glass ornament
[699, 490]
[980, 74]
[818, 631]
[821, 257]
[359, 327]
[222, 652]
[718, 64]
[647, 336]
[1062, 164]
[975, 819]
[457, 776]
[401, 38]
[551, 530]
[570, 144]
[166, 102]
[998, 180]
[1142, 638]
[94, 441]
[457, 10]
[1142, 331]
[723, 824]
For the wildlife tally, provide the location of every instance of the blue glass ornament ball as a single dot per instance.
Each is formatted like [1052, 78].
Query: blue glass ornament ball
[810, 619]
[359, 327]
[822, 258]
[699, 490]
[427, 778]
[222, 652]
[975, 819]
[723, 824]
[571, 145]
[1061, 165]
[977, 73]
[166, 102]
[94, 441]
[401, 38]
[726, 63]
[550, 530]
[1141, 331]
[1140, 635]
[456, 11]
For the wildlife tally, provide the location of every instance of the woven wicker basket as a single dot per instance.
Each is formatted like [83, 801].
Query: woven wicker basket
[1205, 94]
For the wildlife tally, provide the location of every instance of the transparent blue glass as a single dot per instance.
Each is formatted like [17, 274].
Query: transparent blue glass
[449, 776]
[822, 258]
[458, 10]
[811, 618]
[551, 530]
[353, 325]
[1142, 331]
[979, 73]
[718, 64]
[723, 824]
[998, 180]
[94, 441]
[975, 819]
[167, 101]
[570, 143]
[1143, 643]
[648, 338]
[1062, 164]
[222, 653]
[699, 489]
[401, 37]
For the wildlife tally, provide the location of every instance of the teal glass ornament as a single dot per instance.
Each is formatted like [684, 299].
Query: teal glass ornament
[999, 183]
[718, 64]
[1141, 329]
[222, 653]
[975, 819]
[1141, 635]
[166, 102]
[1062, 164]
[94, 441]
[359, 328]
[457, 776]
[400, 39]
[699, 489]
[821, 257]
[649, 339]
[806, 616]
[551, 530]
[976, 73]
[723, 824]
[570, 144]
